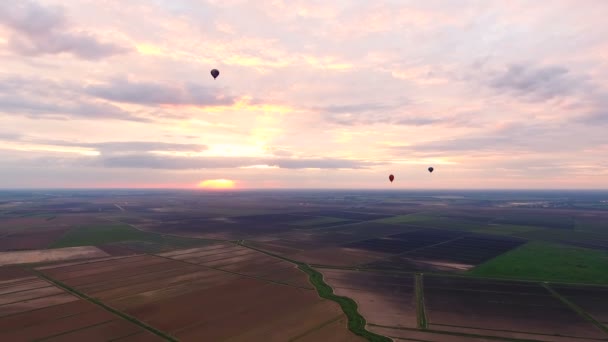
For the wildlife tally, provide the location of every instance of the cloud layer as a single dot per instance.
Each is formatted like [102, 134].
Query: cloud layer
[311, 93]
[44, 30]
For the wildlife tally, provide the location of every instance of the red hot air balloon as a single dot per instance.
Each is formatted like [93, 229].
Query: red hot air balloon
[391, 178]
[431, 169]
[215, 73]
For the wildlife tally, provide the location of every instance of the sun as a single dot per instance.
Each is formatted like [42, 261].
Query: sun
[217, 184]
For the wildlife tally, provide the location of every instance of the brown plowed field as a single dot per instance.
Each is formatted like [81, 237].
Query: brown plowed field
[38, 316]
[143, 336]
[506, 334]
[20, 296]
[292, 323]
[12, 273]
[32, 304]
[268, 269]
[246, 261]
[30, 239]
[383, 299]
[32, 308]
[194, 250]
[57, 326]
[291, 310]
[592, 299]
[491, 306]
[417, 335]
[23, 286]
[203, 303]
[116, 250]
[58, 270]
[338, 256]
[99, 333]
[78, 262]
[211, 255]
[334, 332]
[50, 255]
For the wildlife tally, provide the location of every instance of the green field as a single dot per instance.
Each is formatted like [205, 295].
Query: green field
[123, 234]
[155, 243]
[548, 262]
[99, 234]
[430, 221]
[411, 218]
[317, 221]
[507, 229]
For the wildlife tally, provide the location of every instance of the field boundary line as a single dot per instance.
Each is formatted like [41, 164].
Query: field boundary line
[127, 336]
[516, 331]
[116, 312]
[576, 308]
[404, 254]
[320, 326]
[420, 310]
[239, 274]
[34, 298]
[455, 275]
[159, 233]
[75, 330]
[453, 333]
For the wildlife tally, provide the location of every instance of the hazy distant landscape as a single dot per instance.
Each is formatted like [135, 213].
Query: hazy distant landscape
[300, 265]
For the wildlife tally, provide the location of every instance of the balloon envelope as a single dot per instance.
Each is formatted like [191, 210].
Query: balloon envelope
[215, 73]
[391, 178]
[431, 169]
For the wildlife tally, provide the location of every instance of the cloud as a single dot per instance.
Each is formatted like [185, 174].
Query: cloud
[150, 161]
[9, 136]
[359, 114]
[150, 93]
[142, 146]
[82, 109]
[40, 30]
[372, 113]
[323, 163]
[510, 141]
[43, 98]
[597, 117]
[538, 83]
[109, 148]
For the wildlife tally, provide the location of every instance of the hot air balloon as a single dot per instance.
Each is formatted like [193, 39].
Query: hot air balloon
[431, 169]
[391, 178]
[215, 73]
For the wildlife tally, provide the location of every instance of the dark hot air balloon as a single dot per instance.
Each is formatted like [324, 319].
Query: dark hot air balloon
[391, 178]
[215, 73]
[431, 169]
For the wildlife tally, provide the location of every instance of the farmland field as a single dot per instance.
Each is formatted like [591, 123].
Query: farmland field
[145, 265]
[147, 287]
[387, 299]
[31, 308]
[547, 261]
[507, 309]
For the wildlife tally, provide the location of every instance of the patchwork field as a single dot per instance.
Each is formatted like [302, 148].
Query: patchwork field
[592, 299]
[48, 255]
[385, 299]
[550, 262]
[244, 261]
[500, 308]
[31, 308]
[193, 265]
[244, 307]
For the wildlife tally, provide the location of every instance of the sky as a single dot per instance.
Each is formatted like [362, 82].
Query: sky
[311, 94]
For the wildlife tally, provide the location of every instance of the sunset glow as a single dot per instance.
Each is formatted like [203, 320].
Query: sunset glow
[217, 184]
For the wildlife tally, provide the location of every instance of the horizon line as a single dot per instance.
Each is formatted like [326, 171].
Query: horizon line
[305, 189]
